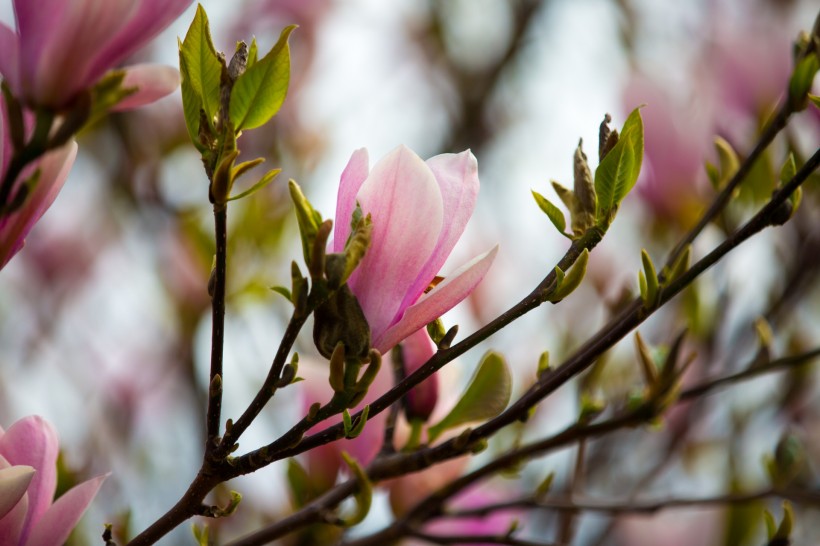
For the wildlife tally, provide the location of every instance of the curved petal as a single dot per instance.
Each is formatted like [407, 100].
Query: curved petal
[14, 482]
[54, 170]
[353, 177]
[65, 62]
[438, 301]
[417, 349]
[457, 177]
[37, 23]
[403, 198]
[10, 58]
[57, 523]
[152, 81]
[33, 441]
[11, 525]
[148, 19]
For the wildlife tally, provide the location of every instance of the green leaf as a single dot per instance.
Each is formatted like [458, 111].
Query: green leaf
[485, 397]
[572, 280]
[203, 68]
[106, 93]
[729, 162]
[363, 495]
[283, 291]
[545, 486]
[618, 171]
[788, 170]
[308, 218]
[253, 53]
[801, 81]
[263, 182]
[299, 481]
[651, 279]
[191, 103]
[815, 100]
[552, 212]
[259, 93]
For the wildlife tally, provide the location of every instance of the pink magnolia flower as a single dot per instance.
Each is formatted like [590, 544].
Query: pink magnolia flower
[28, 453]
[417, 349]
[419, 210]
[61, 47]
[53, 167]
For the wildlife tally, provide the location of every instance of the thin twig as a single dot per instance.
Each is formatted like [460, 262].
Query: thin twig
[217, 327]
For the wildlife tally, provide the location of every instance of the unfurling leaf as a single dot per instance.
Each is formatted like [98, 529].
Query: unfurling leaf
[567, 285]
[485, 397]
[258, 94]
[552, 212]
[201, 69]
[801, 81]
[619, 169]
[651, 292]
[363, 495]
[584, 190]
[309, 219]
[263, 182]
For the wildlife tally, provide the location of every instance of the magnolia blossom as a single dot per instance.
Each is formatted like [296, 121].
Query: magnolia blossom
[61, 47]
[53, 170]
[419, 210]
[28, 479]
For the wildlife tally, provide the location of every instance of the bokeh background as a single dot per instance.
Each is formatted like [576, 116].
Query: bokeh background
[104, 316]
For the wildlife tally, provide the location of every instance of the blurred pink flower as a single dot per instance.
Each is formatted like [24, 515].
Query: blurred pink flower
[672, 528]
[419, 211]
[53, 167]
[34, 519]
[61, 47]
[417, 349]
[677, 138]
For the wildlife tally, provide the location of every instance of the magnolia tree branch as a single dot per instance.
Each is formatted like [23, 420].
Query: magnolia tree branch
[475, 539]
[635, 314]
[217, 290]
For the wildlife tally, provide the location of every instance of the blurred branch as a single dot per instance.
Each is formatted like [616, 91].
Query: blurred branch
[475, 539]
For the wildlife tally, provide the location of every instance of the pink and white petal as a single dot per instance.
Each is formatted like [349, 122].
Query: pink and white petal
[438, 301]
[54, 169]
[152, 81]
[457, 176]
[147, 20]
[353, 177]
[417, 349]
[5, 143]
[33, 441]
[37, 22]
[56, 524]
[64, 68]
[11, 525]
[10, 58]
[403, 198]
[14, 482]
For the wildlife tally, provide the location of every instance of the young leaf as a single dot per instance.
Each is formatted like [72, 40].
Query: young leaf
[253, 53]
[572, 279]
[264, 181]
[651, 278]
[801, 81]
[203, 69]
[552, 212]
[301, 489]
[815, 100]
[259, 93]
[283, 291]
[729, 163]
[618, 171]
[308, 218]
[485, 397]
[363, 495]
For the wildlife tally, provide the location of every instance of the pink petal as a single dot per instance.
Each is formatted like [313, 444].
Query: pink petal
[54, 168]
[57, 523]
[14, 482]
[65, 63]
[152, 82]
[37, 22]
[416, 350]
[353, 177]
[404, 200]
[10, 58]
[457, 177]
[148, 19]
[33, 441]
[11, 525]
[438, 301]
[5, 142]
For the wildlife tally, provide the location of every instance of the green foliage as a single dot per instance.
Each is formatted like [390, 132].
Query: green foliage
[301, 489]
[648, 280]
[552, 212]
[200, 71]
[363, 495]
[106, 93]
[780, 533]
[801, 81]
[566, 284]
[307, 217]
[260, 91]
[619, 169]
[262, 183]
[487, 394]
